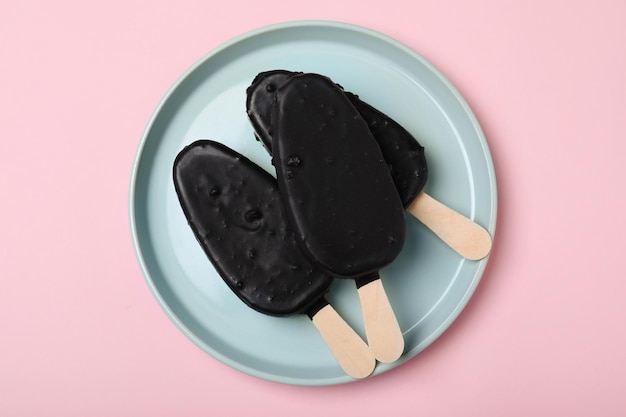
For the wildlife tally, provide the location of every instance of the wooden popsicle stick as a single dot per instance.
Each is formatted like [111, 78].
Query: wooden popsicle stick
[351, 352]
[463, 235]
[384, 336]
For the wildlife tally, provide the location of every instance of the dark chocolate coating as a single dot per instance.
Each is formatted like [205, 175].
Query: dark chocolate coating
[235, 212]
[333, 180]
[260, 97]
[402, 152]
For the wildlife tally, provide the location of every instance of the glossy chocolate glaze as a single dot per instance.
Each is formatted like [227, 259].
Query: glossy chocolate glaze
[335, 185]
[235, 212]
[402, 152]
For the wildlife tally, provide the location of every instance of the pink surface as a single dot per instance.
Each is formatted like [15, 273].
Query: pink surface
[83, 336]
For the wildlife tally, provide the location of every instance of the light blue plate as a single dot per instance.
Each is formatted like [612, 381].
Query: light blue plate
[428, 285]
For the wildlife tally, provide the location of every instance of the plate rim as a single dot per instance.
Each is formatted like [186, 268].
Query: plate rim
[381, 368]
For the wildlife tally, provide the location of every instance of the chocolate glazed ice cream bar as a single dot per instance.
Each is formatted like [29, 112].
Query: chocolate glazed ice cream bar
[236, 214]
[339, 196]
[404, 156]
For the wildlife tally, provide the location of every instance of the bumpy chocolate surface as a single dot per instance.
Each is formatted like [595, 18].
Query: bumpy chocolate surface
[260, 97]
[333, 180]
[402, 152]
[235, 212]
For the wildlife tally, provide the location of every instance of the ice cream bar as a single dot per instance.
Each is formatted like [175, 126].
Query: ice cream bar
[236, 214]
[339, 196]
[333, 180]
[404, 156]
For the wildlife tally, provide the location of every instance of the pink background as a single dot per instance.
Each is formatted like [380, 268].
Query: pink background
[83, 336]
